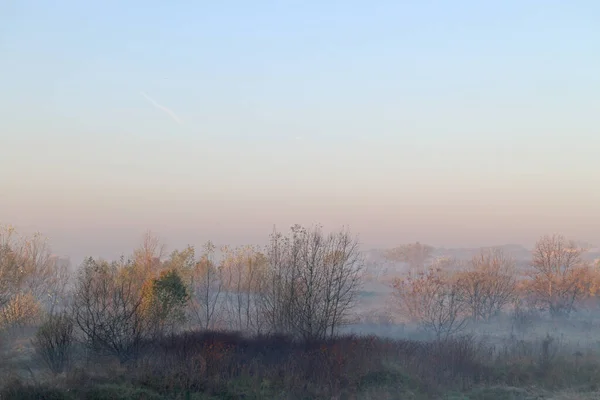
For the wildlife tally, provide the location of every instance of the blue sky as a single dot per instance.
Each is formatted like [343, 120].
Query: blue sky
[449, 122]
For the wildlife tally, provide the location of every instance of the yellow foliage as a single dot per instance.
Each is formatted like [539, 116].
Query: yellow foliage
[23, 309]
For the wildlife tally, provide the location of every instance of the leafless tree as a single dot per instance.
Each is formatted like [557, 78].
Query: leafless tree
[432, 299]
[557, 271]
[148, 256]
[207, 289]
[489, 283]
[314, 281]
[40, 267]
[244, 271]
[416, 255]
[279, 289]
[107, 308]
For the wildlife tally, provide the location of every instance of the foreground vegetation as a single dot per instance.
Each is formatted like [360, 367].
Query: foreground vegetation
[220, 365]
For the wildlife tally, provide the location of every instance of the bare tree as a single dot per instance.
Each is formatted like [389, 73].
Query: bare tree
[557, 268]
[489, 284]
[279, 288]
[432, 300]
[416, 255]
[313, 281]
[206, 289]
[148, 256]
[107, 308]
[344, 268]
[244, 271]
[40, 266]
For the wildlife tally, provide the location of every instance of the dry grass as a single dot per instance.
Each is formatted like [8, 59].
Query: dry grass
[219, 365]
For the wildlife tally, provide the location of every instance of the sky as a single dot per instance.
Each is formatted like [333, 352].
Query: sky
[455, 123]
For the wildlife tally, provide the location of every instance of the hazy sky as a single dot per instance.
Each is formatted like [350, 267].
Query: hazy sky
[449, 122]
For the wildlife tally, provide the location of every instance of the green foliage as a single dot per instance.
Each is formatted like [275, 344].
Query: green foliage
[170, 293]
[170, 290]
[168, 299]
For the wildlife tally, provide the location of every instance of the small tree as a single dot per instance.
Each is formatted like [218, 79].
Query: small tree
[558, 270]
[432, 300]
[488, 285]
[54, 340]
[166, 299]
[107, 308]
[312, 281]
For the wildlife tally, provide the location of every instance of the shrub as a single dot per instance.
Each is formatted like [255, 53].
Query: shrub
[53, 342]
[119, 392]
[16, 390]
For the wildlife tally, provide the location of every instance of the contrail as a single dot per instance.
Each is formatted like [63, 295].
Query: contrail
[165, 109]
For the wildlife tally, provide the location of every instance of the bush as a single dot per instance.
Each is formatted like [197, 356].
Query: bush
[53, 342]
[18, 391]
[119, 392]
